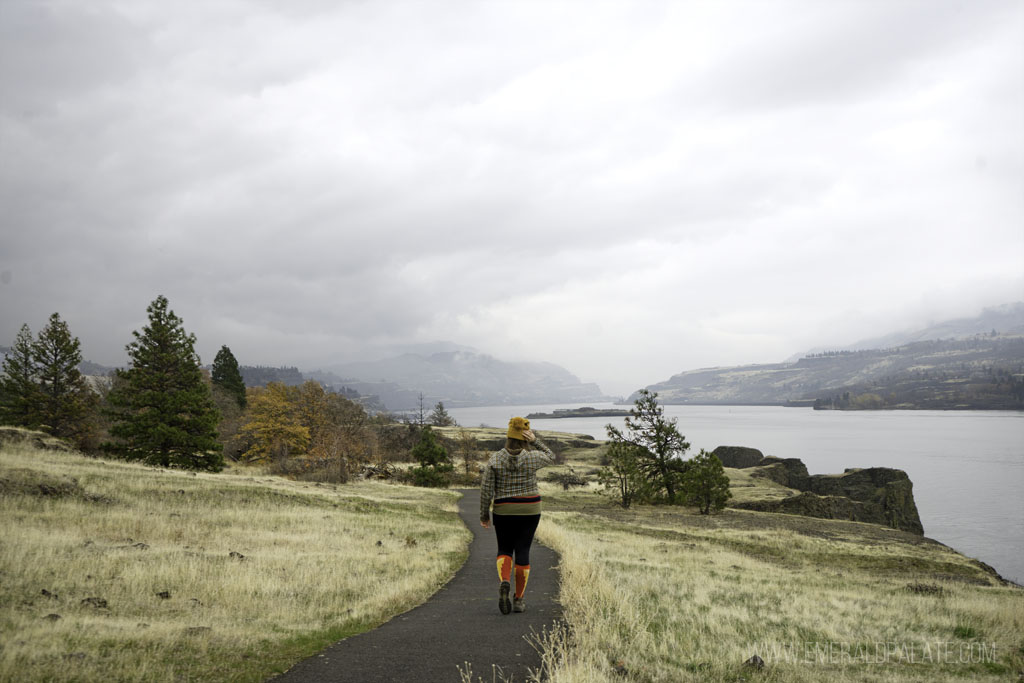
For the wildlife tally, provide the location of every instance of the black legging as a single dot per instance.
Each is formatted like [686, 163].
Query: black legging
[515, 535]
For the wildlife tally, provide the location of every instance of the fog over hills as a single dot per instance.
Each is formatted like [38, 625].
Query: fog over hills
[460, 378]
[964, 363]
[971, 351]
[1007, 319]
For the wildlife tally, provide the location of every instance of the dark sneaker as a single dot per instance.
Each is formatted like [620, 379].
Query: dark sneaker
[518, 604]
[504, 604]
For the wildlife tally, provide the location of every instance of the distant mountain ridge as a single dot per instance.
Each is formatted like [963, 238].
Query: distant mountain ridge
[457, 375]
[1007, 319]
[969, 368]
[460, 378]
[931, 368]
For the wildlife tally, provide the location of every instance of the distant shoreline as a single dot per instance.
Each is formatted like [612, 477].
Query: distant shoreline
[579, 412]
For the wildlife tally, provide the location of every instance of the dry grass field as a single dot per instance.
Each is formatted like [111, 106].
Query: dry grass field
[167, 576]
[112, 571]
[659, 594]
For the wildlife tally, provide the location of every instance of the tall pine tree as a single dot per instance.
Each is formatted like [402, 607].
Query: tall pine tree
[19, 385]
[65, 400]
[162, 409]
[226, 375]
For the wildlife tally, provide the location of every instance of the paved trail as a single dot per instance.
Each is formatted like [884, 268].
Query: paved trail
[460, 623]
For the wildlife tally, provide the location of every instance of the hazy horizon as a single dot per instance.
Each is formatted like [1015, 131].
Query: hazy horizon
[626, 190]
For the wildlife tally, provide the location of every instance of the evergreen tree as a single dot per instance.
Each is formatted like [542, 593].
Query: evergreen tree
[440, 416]
[226, 375]
[658, 445]
[65, 400]
[19, 384]
[434, 460]
[622, 477]
[705, 483]
[162, 409]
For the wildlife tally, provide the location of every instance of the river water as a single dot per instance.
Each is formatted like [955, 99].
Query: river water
[967, 467]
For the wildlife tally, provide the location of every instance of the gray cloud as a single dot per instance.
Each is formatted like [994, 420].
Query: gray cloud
[650, 187]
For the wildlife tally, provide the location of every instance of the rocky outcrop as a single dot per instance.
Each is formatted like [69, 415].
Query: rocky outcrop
[791, 472]
[824, 507]
[887, 489]
[879, 495]
[738, 457]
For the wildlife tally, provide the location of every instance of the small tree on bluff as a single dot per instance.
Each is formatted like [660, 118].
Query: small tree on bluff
[162, 408]
[622, 477]
[705, 483]
[656, 444]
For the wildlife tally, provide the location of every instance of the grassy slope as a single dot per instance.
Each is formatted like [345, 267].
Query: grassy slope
[651, 594]
[664, 594]
[320, 563]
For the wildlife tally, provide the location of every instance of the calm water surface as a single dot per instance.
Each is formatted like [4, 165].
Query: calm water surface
[967, 467]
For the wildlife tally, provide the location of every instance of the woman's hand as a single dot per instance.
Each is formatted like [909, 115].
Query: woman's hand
[529, 435]
[485, 524]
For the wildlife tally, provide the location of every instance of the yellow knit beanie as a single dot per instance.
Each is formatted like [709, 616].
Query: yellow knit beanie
[516, 427]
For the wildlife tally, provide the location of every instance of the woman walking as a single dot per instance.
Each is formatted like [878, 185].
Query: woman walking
[510, 480]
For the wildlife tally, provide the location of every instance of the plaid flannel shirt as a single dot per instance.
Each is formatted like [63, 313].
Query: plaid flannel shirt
[506, 475]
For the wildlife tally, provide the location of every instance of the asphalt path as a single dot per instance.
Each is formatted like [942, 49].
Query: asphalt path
[459, 629]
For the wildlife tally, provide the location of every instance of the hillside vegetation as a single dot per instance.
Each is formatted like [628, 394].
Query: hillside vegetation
[978, 373]
[113, 571]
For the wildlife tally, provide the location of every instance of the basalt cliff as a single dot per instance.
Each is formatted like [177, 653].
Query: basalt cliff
[879, 495]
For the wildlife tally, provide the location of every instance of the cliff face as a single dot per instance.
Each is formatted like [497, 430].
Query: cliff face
[882, 488]
[791, 472]
[879, 495]
[738, 457]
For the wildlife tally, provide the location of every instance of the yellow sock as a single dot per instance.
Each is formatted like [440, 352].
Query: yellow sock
[522, 576]
[504, 567]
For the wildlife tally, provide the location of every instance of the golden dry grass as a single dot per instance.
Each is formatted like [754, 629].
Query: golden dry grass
[663, 594]
[650, 594]
[318, 563]
[746, 488]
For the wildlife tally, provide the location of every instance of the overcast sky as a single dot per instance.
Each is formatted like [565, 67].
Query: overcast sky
[626, 189]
